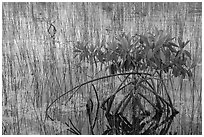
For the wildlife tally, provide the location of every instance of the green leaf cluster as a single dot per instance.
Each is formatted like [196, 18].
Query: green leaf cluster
[157, 51]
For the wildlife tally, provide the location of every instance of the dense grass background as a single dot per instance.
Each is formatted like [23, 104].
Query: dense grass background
[36, 68]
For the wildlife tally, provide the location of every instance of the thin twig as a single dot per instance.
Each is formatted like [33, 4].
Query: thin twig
[98, 105]
[74, 126]
[79, 86]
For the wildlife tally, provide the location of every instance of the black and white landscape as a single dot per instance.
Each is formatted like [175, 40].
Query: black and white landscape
[98, 68]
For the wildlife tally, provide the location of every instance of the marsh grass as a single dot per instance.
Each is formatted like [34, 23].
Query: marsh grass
[38, 68]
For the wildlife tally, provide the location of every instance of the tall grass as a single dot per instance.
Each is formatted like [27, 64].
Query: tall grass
[38, 68]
